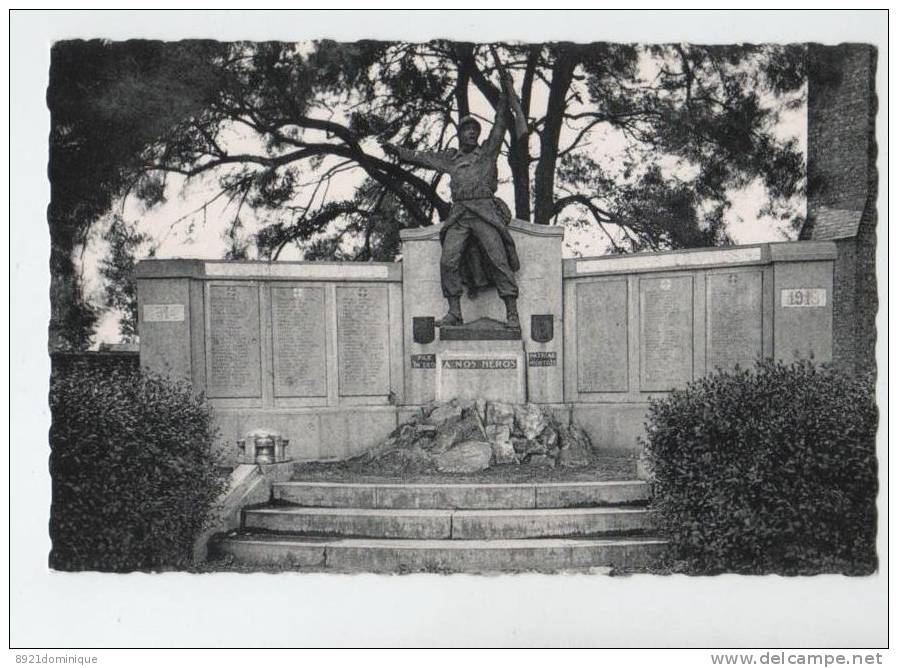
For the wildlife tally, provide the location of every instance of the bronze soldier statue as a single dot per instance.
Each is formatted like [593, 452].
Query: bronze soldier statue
[478, 250]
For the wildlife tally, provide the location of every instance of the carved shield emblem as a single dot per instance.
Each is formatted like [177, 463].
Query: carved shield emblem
[542, 328]
[423, 330]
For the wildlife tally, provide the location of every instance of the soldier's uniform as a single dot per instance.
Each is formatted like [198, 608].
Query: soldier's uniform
[478, 251]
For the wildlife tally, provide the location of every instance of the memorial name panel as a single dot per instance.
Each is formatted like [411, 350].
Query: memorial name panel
[665, 333]
[298, 324]
[234, 355]
[363, 351]
[734, 319]
[602, 337]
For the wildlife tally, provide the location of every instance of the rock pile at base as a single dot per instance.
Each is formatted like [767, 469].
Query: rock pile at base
[470, 436]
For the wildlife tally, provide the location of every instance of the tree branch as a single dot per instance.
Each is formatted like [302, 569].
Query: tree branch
[600, 216]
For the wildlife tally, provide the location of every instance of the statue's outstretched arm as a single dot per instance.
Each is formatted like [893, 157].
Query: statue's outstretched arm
[427, 159]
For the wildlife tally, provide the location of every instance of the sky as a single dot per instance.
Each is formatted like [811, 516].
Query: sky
[182, 227]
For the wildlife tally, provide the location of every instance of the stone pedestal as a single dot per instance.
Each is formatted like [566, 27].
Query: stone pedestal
[484, 329]
[539, 305]
[479, 361]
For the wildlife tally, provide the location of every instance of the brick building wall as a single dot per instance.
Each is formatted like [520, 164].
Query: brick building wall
[866, 297]
[842, 190]
[839, 122]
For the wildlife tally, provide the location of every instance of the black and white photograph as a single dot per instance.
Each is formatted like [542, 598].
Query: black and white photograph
[446, 310]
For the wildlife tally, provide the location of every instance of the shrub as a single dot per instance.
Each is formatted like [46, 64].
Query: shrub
[133, 470]
[770, 470]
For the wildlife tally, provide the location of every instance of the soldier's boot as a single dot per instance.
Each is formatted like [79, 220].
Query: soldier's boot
[512, 321]
[453, 316]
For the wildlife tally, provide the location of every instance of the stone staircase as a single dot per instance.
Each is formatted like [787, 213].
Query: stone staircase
[470, 527]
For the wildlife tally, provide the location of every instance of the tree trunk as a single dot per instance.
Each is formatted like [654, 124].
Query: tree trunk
[519, 156]
[544, 181]
[461, 92]
[519, 162]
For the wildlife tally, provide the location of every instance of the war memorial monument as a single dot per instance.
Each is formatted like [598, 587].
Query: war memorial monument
[483, 331]
[323, 361]
[393, 336]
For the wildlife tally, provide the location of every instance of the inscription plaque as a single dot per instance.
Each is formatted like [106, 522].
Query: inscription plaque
[424, 361]
[234, 356]
[803, 297]
[363, 351]
[163, 313]
[542, 359]
[298, 271]
[480, 364]
[602, 337]
[665, 318]
[298, 334]
[496, 373]
[734, 319]
[669, 260]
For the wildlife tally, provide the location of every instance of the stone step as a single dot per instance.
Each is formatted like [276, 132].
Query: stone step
[463, 495]
[470, 556]
[449, 524]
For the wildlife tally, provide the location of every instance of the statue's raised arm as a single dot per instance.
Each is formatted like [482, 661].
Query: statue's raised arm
[493, 142]
[521, 128]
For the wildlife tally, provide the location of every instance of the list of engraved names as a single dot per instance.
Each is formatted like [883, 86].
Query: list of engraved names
[300, 365]
[362, 341]
[666, 332]
[234, 354]
[734, 319]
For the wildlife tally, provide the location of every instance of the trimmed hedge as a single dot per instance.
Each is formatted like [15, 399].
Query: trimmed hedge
[133, 470]
[770, 470]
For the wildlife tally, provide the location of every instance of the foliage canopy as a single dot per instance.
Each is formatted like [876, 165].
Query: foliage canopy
[645, 142]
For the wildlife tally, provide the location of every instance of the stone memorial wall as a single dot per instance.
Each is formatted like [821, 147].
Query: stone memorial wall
[312, 350]
[641, 325]
[335, 355]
